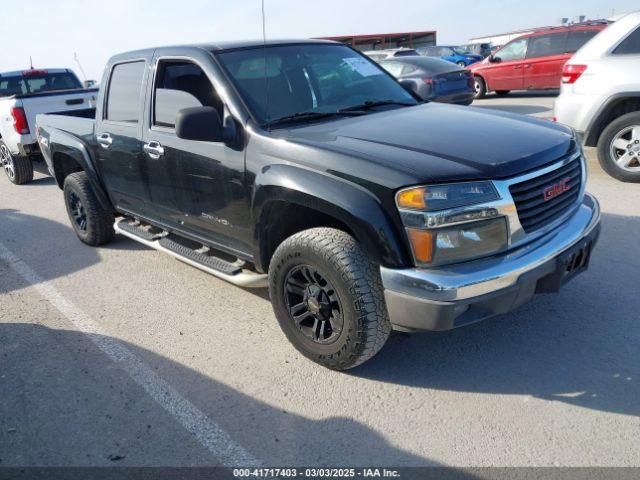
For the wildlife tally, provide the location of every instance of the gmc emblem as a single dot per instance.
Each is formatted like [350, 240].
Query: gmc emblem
[552, 191]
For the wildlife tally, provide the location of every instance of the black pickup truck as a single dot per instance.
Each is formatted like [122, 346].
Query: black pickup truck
[305, 167]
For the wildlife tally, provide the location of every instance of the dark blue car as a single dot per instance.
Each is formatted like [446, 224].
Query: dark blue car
[433, 79]
[452, 54]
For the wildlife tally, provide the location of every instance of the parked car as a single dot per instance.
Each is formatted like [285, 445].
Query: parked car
[433, 79]
[533, 61]
[363, 208]
[25, 94]
[379, 55]
[482, 49]
[600, 97]
[457, 55]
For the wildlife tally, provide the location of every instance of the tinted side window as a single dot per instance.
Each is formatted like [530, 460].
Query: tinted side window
[578, 38]
[125, 89]
[630, 45]
[546, 45]
[513, 51]
[181, 85]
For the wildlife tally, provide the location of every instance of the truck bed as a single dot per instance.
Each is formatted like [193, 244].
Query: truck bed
[80, 123]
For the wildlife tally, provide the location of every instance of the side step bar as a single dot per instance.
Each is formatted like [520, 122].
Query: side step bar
[201, 259]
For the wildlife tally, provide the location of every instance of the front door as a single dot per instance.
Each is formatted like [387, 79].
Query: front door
[506, 72]
[119, 135]
[196, 187]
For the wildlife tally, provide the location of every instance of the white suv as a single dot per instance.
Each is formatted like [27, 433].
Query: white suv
[600, 97]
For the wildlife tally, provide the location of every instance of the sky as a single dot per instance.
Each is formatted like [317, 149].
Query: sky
[51, 31]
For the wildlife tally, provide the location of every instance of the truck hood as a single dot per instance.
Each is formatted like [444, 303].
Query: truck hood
[436, 143]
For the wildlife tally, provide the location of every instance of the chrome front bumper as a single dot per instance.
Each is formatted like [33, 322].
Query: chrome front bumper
[449, 297]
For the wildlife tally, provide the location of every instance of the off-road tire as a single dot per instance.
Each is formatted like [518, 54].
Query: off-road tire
[607, 163]
[356, 279]
[480, 87]
[22, 168]
[99, 222]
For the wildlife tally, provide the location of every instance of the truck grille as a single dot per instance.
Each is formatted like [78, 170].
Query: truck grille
[542, 200]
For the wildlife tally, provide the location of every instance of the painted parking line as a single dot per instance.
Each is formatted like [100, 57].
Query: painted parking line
[207, 432]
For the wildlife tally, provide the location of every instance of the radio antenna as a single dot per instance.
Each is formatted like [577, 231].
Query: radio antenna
[30, 62]
[264, 50]
[75, 57]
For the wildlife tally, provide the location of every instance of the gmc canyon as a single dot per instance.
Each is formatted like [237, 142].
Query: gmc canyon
[25, 94]
[305, 167]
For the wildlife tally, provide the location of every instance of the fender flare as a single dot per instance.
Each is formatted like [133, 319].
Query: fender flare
[595, 127]
[61, 142]
[345, 201]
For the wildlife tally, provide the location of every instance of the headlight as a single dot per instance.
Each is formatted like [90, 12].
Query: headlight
[444, 197]
[441, 231]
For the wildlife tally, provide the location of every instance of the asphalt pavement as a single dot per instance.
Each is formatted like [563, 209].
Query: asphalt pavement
[123, 356]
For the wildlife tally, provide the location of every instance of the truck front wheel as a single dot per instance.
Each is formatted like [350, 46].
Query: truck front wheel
[91, 222]
[328, 298]
[19, 170]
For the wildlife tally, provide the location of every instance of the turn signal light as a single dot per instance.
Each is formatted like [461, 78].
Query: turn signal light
[412, 198]
[422, 244]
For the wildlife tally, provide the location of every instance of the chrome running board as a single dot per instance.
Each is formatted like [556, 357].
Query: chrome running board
[230, 272]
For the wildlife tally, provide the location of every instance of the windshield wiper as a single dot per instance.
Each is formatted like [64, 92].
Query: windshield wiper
[368, 105]
[302, 116]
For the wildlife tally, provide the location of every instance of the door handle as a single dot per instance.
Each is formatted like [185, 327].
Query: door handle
[154, 150]
[518, 67]
[527, 66]
[105, 140]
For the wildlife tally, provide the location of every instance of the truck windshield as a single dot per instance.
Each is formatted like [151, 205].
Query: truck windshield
[299, 80]
[37, 81]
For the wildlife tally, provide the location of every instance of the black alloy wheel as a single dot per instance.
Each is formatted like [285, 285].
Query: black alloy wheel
[77, 211]
[314, 305]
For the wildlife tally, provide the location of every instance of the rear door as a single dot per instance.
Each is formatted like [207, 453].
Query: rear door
[507, 69]
[546, 55]
[119, 135]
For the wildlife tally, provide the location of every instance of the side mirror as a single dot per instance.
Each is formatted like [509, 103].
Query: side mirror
[494, 59]
[201, 124]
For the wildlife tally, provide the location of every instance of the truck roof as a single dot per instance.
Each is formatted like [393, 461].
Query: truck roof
[226, 45]
[20, 73]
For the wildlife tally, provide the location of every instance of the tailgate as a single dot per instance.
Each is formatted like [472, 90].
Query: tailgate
[57, 102]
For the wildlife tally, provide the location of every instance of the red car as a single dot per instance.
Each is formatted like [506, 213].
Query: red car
[533, 61]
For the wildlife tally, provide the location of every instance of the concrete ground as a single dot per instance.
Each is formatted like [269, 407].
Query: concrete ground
[122, 356]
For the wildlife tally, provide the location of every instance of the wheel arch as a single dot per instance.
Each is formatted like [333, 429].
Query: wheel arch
[614, 107]
[69, 155]
[289, 199]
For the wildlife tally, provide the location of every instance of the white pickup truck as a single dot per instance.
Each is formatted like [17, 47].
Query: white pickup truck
[25, 94]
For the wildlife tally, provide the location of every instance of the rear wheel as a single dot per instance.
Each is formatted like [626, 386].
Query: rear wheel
[480, 87]
[328, 298]
[19, 170]
[619, 148]
[502, 93]
[92, 223]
